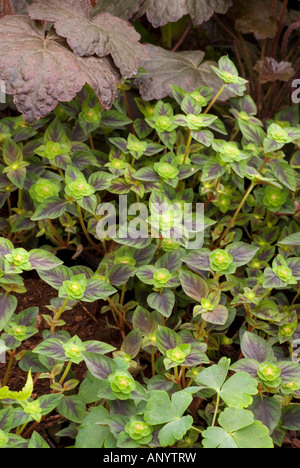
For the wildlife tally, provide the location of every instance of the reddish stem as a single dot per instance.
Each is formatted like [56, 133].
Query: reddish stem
[185, 33]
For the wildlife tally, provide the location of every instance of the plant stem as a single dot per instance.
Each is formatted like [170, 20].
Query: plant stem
[296, 297]
[216, 410]
[185, 33]
[153, 361]
[197, 430]
[21, 429]
[58, 314]
[215, 99]
[236, 213]
[91, 141]
[120, 315]
[91, 242]
[123, 294]
[9, 367]
[67, 370]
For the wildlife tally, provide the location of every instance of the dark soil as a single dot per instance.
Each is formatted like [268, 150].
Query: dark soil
[85, 321]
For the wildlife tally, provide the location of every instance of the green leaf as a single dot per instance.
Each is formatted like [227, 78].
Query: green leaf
[215, 375]
[43, 260]
[238, 430]
[212, 170]
[237, 391]
[174, 431]
[132, 343]
[291, 418]
[161, 409]
[292, 239]
[37, 441]
[242, 253]
[97, 289]
[72, 408]
[91, 434]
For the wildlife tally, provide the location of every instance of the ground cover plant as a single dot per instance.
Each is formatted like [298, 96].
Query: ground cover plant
[149, 247]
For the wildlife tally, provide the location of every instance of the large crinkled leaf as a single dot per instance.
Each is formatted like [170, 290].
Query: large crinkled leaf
[270, 70]
[123, 9]
[41, 71]
[161, 12]
[185, 69]
[256, 17]
[100, 35]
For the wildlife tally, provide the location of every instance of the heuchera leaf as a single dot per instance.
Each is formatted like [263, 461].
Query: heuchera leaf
[118, 8]
[41, 71]
[100, 35]
[161, 12]
[185, 69]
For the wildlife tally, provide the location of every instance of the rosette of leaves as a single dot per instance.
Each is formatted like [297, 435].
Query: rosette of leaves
[164, 123]
[229, 75]
[44, 189]
[135, 147]
[260, 362]
[284, 272]
[279, 136]
[139, 431]
[122, 384]
[211, 310]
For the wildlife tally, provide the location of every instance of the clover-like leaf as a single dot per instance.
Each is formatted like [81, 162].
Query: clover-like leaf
[41, 71]
[237, 391]
[100, 35]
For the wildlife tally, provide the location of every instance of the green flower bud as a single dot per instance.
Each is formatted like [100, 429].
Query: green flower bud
[274, 198]
[73, 349]
[137, 146]
[229, 152]
[194, 122]
[178, 354]
[121, 383]
[164, 124]
[127, 260]
[278, 134]
[206, 304]
[161, 277]
[166, 170]
[16, 330]
[284, 273]
[52, 150]
[91, 115]
[288, 330]
[117, 164]
[44, 189]
[33, 409]
[19, 258]
[139, 431]
[250, 295]
[199, 98]
[74, 288]
[229, 78]
[220, 260]
[268, 372]
[169, 245]
[4, 438]
[290, 387]
[79, 189]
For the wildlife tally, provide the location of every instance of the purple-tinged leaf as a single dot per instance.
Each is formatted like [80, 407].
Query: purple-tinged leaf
[56, 276]
[290, 371]
[132, 343]
[146, 174]
[294, 265]
[212, 170]
[97, 289]
[166, 339]
[11, 152]
[98, 347]
[6, 247]
[196, 356]
[72, 408]
[198, 259]
[246, 365]
[241, 252]
[292, 239]
[52, 348]
[162, 302]
[118, 8]
[8, 305]
[271, 280]
[43, 260]
[52, 208]
[88, 203]
[172, 261]
[120, 274]
[255, 347]
[193, 285]
[267, 410]
[99, 366]
[291, 417]
[144, 320]
[218, 316]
